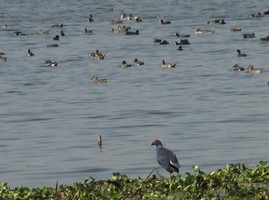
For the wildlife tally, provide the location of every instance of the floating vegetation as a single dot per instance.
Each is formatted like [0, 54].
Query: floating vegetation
[234, 181]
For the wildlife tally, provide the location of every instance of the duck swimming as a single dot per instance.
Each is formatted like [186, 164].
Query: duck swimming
[237, 68]
[248, 35]
[168, 65]
[130, 16]
[164, 42]
[18, 33]
[241, 54]
[156, 40]
[87, 31]
[51, 64]
[253, 70]
[57, 26]
[256, 15]
[124, 64]
[138, 62]
[96, 80]
[42, 32]
[266, 38]
[183, 42]
[97, 55]
[57, 37]
[216, 21]
[236, 29]
[181, 35]
[3, 58]
[132, 32]
[179, 48]
[116, 21]
[204, 31]
[3, 26]
[52, 45]
[90, 18]
[164, 22]
[30, 53]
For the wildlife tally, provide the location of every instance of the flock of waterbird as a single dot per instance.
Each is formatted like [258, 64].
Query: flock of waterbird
[127, 31]
[165, 157]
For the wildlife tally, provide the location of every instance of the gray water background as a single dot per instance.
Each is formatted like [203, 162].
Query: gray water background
[50, 118]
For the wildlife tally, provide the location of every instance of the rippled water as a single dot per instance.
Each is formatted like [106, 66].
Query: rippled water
[51, 117]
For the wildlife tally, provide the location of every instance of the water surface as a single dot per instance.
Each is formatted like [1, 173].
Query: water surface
[51, 117]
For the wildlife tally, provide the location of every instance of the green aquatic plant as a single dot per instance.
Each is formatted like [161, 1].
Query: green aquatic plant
[234, 181]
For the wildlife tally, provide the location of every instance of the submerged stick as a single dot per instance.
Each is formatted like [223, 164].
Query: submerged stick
[151, 173]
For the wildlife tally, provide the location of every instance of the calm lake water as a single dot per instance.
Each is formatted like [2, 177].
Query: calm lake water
[204, 112]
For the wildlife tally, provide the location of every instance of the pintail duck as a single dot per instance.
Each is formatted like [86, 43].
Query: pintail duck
[124, 64]
[30, 53]
[51, 64]
[253, 70]
[90, 18]
[204, 31]
[236, 29]
[237, 68]
[164, 22]
[42, 32]
[168, 65]
[241, 54]
[96, 80]
[132, 32]
[249, 35]
[216, 21]
[3, 58]
[138, 62]
[97, 55]
[266, 38]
